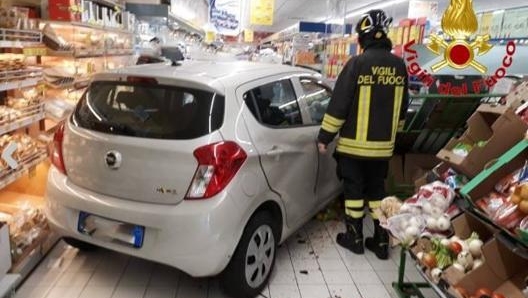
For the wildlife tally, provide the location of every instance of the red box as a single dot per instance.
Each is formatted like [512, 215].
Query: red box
[64, 10]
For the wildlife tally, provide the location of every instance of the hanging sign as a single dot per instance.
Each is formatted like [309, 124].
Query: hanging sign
[225, 16]
[248, 35]
[423, 9]
[210, 37]
[515, 23]
[261, 12]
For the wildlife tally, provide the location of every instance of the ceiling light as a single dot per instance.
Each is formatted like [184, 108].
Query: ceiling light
[379, 5]
[498, 11]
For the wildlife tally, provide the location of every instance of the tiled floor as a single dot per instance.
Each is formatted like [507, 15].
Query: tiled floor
[309, 265]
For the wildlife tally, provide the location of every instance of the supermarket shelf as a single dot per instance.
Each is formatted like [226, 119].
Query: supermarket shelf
[14, 79]
[19, 84]
[88, 26]
[76, 84]
[9, 176]
[29, 116]
[94, 53]
[12, 38]
[8, 284]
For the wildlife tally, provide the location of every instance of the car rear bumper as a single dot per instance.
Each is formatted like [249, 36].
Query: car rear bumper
[197, 237]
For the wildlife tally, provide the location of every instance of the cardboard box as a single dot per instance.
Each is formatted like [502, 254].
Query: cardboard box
[501, 131]
[5, 250]
[502, 272]
[417, 165]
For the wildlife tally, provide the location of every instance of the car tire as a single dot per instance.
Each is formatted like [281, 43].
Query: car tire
[81, 245]
[250, 267]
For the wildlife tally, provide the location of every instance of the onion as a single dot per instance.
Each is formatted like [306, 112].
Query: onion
[435, 274]
[454, 238]
[415, 221]
[445, 242]
[443, 223]
[465, 259]
[475, 247]
[427, 207]
[404, 224]
[436, 212]
[405, 208]
[477, 263]
[459, 267]
[411, 232]
[431, 223]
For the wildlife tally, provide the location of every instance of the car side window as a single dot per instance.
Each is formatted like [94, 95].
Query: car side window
[274, 104]
[317, 97]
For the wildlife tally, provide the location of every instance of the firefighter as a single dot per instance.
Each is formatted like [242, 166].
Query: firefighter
[368, 105]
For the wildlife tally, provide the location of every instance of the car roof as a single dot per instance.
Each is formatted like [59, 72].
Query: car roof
[216, 75]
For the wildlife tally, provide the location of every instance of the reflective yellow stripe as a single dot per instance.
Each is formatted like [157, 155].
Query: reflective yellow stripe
[364, 152]
[331, 124]
[366, 144]
[354, 214]
[398, 97]
[374, 204]
[354, 203]
[374, 215]
[363, 113]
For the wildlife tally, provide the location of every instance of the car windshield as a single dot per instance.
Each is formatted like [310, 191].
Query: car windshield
[149, 110]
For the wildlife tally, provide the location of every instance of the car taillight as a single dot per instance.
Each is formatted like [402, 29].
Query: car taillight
[57, 158]
[217, 165]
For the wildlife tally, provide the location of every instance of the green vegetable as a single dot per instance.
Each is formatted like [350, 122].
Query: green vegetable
[444, 256]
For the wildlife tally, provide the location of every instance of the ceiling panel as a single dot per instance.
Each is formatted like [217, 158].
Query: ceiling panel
[290, 12]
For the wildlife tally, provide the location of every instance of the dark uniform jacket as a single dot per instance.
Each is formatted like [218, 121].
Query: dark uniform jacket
[370, 99]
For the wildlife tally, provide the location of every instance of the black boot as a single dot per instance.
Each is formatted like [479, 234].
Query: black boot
[379, 244]
[353, 238]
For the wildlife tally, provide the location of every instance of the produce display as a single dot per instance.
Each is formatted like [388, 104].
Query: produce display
[463, 255]
[507, 205]
[425, 212]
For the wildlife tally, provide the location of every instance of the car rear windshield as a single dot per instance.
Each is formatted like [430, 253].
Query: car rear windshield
[149, 110]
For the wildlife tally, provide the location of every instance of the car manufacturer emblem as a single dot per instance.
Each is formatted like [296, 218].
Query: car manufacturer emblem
[113, 159]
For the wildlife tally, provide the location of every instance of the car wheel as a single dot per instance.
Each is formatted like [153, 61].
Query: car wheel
[250, 267]
[81, 245]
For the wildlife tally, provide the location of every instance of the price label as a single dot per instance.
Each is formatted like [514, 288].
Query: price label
[36, 51]
[32, 172]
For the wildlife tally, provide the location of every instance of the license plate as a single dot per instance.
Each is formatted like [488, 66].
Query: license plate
[111, 230]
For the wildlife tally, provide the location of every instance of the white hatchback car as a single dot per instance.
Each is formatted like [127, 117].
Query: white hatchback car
[204, 166]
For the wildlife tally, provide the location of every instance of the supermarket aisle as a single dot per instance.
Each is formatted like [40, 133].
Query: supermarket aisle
[309, 265]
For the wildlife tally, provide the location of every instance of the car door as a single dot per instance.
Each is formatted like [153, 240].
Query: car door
[286, 146]
[314, 100]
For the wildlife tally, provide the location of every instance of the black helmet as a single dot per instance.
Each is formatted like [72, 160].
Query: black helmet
[373, 21]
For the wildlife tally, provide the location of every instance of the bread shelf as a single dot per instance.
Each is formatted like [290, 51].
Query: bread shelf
[25, 166]
[15, 79]
[106, 29]
[94, 53]
[28, 116]
[12, 38]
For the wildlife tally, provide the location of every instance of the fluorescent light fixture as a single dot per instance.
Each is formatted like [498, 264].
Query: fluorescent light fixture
[378, 5]
[498, 11]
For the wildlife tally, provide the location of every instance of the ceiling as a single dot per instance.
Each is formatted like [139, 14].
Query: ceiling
[290, 12]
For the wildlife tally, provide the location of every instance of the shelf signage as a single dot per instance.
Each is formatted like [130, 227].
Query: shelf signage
[7, 155]
[224, 15]
[459, 49]
[248, 35]
[261, 12]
